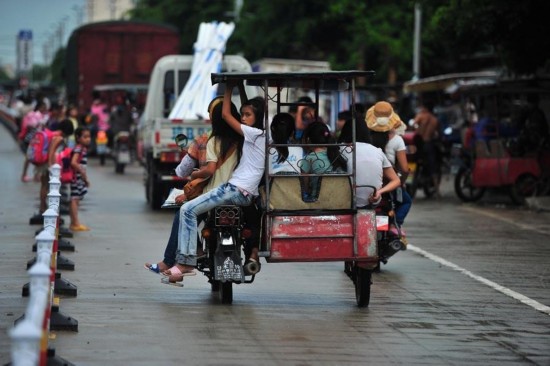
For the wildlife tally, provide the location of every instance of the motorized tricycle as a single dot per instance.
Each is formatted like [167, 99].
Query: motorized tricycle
[509, 147]
[493, 166]
[328, 228]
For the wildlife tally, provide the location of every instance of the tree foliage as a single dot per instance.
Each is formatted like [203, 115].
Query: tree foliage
[372, 34]
[185, 15]
[514, 30]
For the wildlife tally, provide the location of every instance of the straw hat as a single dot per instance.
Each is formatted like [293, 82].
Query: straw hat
[381, 117]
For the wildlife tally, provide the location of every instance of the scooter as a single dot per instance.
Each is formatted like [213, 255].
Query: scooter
[121, 151]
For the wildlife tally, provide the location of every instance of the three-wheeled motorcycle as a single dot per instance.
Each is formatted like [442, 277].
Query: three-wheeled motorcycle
[328, 228]
[509, 147]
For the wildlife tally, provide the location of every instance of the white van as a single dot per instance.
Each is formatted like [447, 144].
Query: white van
[156, 149]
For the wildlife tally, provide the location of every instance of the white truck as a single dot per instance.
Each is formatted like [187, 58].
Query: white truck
[156, 149]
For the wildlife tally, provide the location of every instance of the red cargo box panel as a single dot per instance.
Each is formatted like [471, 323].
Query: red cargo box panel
[318, 238]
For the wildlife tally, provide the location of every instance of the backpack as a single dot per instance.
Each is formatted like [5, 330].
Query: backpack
[63, 158]
[37, 151]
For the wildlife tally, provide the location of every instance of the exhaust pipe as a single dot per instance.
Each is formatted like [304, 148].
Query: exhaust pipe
[251, 268]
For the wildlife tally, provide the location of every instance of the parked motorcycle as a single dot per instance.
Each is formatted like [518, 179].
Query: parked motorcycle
[121, 151]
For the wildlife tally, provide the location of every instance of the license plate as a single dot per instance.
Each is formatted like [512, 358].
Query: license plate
[454, 169]
[382, 223]
[124, 157]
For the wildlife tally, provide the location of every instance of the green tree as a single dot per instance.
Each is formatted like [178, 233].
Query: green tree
[185, 15]
[514, 31]
[373, 34]
[57, 67]
[350, 34]
[3, 75]
[40, 72]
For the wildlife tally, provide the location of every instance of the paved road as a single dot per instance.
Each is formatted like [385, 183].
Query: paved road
[423, 310]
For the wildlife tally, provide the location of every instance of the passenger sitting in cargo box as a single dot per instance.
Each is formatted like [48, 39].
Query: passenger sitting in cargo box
[373, 167]
[320, 159]
[284, 158]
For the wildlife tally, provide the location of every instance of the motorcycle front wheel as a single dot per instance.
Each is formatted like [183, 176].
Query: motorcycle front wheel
[464, 188]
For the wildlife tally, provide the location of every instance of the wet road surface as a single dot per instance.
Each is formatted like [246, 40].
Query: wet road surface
[422, 312]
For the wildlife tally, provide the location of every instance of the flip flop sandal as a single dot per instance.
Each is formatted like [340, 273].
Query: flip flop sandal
[153, 268]
[166, 281]
[175, 271]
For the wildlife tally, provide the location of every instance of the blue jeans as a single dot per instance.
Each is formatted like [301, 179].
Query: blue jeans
[172, 245]
[225, 194]
[402, 208]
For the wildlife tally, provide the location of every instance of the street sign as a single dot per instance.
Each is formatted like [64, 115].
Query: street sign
[24, 51]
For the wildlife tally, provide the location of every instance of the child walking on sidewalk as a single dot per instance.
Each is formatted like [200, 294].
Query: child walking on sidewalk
[80, 183]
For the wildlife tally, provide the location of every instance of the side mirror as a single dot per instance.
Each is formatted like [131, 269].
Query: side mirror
[181, 141]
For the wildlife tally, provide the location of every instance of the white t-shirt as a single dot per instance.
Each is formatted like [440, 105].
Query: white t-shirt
[370, 164]
[250, 170]
[395, 144]
[295, 153]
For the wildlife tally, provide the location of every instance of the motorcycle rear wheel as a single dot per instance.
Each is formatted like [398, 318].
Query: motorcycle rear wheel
[464, 188]
[363, 282]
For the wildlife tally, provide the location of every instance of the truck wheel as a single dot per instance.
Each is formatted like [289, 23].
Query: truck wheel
[154, 192]
[464, 188]
[362, 286]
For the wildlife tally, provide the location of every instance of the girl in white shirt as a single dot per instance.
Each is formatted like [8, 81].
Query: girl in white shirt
[241, 189]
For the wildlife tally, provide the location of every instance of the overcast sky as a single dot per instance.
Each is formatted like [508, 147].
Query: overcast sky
[43, 18]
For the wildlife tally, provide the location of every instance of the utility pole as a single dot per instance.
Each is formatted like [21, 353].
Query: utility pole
[417, 43]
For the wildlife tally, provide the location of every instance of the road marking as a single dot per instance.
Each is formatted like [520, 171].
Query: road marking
[506, 291]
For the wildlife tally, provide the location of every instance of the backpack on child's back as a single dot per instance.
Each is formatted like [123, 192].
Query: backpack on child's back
[37, 151]
[63, 158]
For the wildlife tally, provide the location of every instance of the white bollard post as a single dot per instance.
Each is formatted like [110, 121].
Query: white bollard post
[44, 246]
[55, 170]
[54, 183]
[25, 349]
[40, 274]
[54, 199]
[50, 220]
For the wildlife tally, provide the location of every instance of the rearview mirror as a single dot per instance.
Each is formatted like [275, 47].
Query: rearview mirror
[181, 141]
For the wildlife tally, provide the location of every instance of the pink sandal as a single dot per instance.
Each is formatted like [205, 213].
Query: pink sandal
[175, 276]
